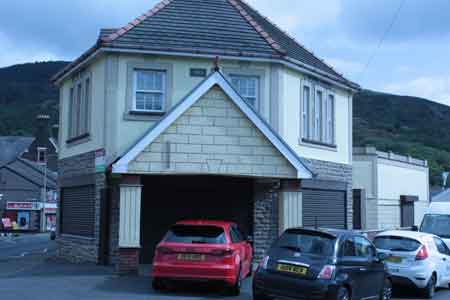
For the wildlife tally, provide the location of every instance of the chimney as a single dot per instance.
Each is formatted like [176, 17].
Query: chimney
[42, 133]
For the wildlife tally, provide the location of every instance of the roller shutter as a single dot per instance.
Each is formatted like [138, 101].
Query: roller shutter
[78, 210]
[324, 208]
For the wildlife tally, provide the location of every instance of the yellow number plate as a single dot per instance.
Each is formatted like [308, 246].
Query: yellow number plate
[394, 259]
[192, 257]
[292, 269]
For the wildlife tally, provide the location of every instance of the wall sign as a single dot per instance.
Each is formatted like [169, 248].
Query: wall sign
[23, 205]
[196, 72]
[100, 161]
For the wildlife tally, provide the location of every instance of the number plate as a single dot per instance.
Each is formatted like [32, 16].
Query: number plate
[394, 259]
[292, 269]
[191, 257]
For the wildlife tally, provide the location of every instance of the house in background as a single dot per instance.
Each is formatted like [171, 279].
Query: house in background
[389, 190]
[154, 129]
[27, 168]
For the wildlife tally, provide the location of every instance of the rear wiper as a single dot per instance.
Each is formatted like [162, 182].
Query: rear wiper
[199, 242]
[293, 248]
[398, 249]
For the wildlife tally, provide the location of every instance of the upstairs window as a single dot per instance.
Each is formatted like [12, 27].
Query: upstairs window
[149, 90]
[79, 108]
[317, 115]
[247, 87]
[41, 155]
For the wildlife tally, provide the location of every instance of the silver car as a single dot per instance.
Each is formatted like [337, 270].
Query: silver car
[416, 258]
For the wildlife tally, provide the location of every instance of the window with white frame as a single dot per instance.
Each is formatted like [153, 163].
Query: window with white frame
[247, 87]
[305, 111]
[79, 103]
[318, 114]
[329, 119]
[149, 90]
[318, 118]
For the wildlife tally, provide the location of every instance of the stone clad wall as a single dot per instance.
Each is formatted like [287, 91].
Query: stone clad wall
[213, 137]
[80, 168]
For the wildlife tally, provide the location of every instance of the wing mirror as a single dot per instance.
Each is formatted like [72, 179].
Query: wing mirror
[381, 256]
[415, 228]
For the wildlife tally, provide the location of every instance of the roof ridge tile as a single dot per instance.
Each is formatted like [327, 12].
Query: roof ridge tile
[289, 36]
[258, 28]
[158, 7]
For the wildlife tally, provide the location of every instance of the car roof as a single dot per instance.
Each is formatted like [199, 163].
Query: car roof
[217, 223]
[406, 233]
[337, 233]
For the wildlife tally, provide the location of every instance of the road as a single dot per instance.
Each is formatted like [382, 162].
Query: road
[29, 261]
[24, 245]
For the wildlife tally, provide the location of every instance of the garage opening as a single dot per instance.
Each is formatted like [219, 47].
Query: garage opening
[168, 199]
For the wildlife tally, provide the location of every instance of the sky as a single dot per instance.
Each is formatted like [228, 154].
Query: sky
[413, 58]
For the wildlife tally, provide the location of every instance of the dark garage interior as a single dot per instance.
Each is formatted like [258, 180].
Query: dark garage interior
[168, 199]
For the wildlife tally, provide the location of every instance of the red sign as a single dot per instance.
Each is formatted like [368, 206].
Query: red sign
[19, 205]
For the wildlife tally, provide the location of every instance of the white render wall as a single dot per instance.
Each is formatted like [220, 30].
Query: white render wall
[290, 109]
[384, 180]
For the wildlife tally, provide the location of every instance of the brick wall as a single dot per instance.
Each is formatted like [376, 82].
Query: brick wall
[327, 170]
[80, 168]
[213, 137]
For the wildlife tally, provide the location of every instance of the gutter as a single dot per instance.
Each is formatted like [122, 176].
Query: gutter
[286, 61]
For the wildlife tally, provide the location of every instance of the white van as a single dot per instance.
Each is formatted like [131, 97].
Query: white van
[437, 221]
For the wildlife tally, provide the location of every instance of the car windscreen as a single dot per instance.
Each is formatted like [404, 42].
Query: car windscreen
[436, 224]
[307, 242]
[396, 243]
[196, 234]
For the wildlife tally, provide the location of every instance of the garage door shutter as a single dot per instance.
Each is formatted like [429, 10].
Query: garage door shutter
[78, 210]
[324, 208]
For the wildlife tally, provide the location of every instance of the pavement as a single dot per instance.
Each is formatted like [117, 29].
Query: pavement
[38, 274]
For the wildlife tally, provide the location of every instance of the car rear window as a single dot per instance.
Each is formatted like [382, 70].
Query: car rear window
[307, 242]
[395, 243]
[436, 224]
[196, 234]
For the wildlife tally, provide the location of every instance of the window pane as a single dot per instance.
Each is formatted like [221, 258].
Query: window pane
[247, 87]
[78, 109]
[318, 116]
[149, 80]
[329, 110]
[71, 113]
[149, 101]
[305, 111]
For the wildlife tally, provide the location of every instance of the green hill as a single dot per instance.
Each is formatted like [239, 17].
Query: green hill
[401, 124]
[26, 91]
[406, 125]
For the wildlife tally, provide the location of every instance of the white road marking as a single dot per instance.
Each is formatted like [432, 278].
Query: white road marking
[23, 254]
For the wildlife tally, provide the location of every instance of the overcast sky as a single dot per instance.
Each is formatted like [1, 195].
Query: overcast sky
[413, 60]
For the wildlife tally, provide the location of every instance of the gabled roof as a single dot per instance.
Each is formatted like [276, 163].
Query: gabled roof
[12, 147]
[216, 78]
[213, 27]
[32, 172]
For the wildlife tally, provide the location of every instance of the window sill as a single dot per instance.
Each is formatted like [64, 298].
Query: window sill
[135, 115]
[79, 139]
[316, 144]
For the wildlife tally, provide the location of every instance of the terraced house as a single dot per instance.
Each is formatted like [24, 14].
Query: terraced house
[199, 109]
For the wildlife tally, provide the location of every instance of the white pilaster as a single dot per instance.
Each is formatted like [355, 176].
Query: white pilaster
[130, 216]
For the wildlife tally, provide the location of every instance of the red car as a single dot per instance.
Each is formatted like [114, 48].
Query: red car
[205, 251]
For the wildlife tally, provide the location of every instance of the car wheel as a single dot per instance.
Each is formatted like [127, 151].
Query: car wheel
[343, 294]
[387, 290]
[260, 297]
[157, 284]
[235, 290]
[429, 291]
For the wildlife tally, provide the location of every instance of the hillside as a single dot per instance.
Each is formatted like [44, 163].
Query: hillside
[25, 91]
[406, 125]
[402, 124]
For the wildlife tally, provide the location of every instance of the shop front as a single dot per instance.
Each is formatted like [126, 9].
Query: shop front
[22, 216]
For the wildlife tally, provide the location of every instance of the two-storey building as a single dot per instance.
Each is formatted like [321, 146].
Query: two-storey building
[199, 109]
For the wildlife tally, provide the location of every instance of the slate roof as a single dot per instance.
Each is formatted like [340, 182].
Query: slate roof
[214, 27]
[32, 172]
[12, 147]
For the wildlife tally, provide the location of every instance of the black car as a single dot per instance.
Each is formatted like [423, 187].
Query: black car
[322, 264]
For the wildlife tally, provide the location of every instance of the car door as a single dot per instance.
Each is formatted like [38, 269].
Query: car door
[443, 261]
[241, 246]
[375, 271]
[353, 267]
